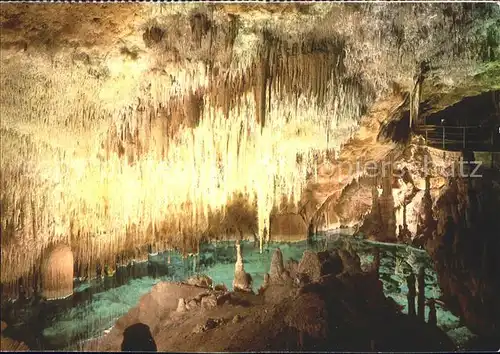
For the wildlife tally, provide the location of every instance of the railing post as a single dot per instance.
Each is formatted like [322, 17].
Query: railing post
[444, 129]
[464, 138]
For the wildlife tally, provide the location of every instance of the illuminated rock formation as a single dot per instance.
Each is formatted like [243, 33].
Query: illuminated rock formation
[288, 227]
[57, 272]
[277, 267]
[242, 280]
[386, 206]
[126, 136]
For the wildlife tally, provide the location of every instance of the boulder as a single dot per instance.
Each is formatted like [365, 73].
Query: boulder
[208, 302]
[350, 260]
[200, 280]
[138, 338]
[220, 287]
[315, 265]
[157, 304]
[181, 305]
[310, 265]
[10, 345]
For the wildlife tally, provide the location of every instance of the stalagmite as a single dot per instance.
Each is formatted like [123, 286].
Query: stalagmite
[376, 261]
[265, 284]
[277, 267]
[432, 320]
[421, 294]
[181, 305]
[242, 280]
[57, 273]
[410, 281]
[386, 202]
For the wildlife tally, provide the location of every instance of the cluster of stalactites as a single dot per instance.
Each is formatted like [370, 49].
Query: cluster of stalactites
[173, 158]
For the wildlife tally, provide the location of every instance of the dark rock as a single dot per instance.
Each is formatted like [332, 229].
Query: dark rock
[138, 338]
[152, 36]
[223, 298]
[220, 287]
[209, 324]
[310, 265]
[465, 250]
[350, 261]
[315, 265]
[331, 263]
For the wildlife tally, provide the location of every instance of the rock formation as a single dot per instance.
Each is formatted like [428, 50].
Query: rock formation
[432, 320]
[421, 294]
[138, 338]
[410, 282]
[8, 344]
[380, 223]
[386, 206]
[242, 280]
[57, 272]
[315, 265]
[351, 263]
[277, 267]
[426, 224]
[181, 305]
[252, 110]
[201, 280]
[465, 250]
[341, 312]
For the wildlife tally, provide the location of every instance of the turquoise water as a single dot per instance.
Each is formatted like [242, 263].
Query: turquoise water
[96, 305]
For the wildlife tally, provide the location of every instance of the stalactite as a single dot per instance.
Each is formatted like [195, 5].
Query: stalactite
[166, 163]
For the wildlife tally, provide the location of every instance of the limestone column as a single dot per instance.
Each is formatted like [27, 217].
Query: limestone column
[410, 281]
[57, 272]
[242, 280]
[421, 294]
[377, 262]
[386, 202]
[432, 313]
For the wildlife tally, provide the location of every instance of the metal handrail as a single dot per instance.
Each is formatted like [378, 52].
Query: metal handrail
[441, 134]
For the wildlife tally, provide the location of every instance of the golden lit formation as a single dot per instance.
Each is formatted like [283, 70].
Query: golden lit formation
[106, 165]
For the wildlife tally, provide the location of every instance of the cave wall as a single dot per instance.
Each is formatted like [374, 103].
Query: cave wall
[115, 133]
[465, 249]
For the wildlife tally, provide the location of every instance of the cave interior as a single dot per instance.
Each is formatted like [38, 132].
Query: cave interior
[197, 177]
